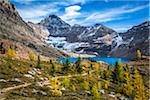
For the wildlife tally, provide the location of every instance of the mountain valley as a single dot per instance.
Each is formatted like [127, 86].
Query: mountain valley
[55, 60]
[97, 40]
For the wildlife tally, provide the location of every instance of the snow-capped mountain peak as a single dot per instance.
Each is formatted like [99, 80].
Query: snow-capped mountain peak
[78, 36]
[55, 25]
[97, 39]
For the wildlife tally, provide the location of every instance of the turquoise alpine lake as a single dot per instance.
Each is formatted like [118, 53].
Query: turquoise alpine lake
[110, 61]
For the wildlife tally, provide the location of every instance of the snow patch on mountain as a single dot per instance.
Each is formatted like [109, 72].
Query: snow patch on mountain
[57, 42]
[75, 45]
[118, 40]
[60, 42]
[91, 34]
[82, 34]
[57, 39]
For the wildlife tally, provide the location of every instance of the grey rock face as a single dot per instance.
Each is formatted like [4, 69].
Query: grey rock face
[136, 38]
[102, 40]
[11, 22]
[98, 36]
[39, 31]
[55, 25]
[88, 34]
[12, 27]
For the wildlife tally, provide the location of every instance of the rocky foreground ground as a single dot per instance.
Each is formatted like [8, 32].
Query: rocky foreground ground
[22, 79]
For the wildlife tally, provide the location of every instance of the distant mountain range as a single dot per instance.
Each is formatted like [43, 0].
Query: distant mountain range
[136, 38]
[97, 40]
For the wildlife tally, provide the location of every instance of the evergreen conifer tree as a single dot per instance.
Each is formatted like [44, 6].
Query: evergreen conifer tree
[39, 62]
[79, 68]
[31, 56]
[139, 93]
[107, 73]
[53, 68]
[139, 55]
[118, 73]
[66, 66]
[127, 85]
[95, 92]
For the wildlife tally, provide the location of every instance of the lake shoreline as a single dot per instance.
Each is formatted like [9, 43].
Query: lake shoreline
[110, 61]
[75, 55]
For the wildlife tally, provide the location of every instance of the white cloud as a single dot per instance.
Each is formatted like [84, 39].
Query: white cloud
[31, 13]
[35, 12]
[34, 20]
[73, 8]
[112, 14]
[71, 13]
[23, 1]
[98, 20]
[122, 29]
[78, 1]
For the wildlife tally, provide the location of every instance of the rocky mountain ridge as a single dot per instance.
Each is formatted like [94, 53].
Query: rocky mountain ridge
[14, 29]
[95, 39]
[55, 25]
[98, 39]
[136, 38]
[41, 31]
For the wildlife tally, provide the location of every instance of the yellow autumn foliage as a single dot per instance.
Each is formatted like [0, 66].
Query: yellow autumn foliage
[56, 87]
[11, 53]
[107, 84]
[31, 56]
[139, 55]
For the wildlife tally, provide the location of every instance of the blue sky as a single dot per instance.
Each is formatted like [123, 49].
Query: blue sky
[117, 14]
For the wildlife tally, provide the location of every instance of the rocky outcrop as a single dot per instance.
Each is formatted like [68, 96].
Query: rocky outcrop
[13, 28]
[8, 6]
[41, 32]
